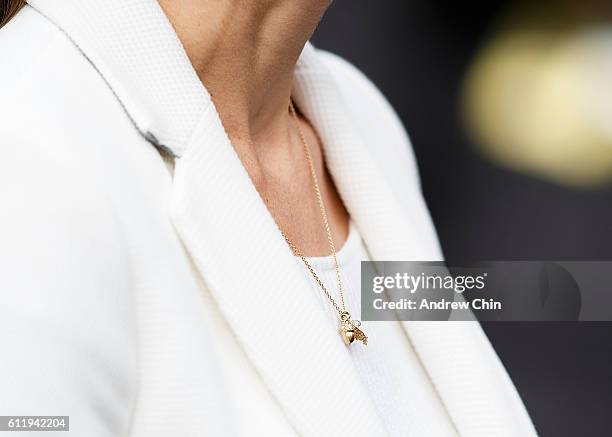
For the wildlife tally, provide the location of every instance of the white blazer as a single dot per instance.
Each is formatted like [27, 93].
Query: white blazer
[142, 302]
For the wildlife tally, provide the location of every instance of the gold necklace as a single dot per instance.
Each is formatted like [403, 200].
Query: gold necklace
[349, 328]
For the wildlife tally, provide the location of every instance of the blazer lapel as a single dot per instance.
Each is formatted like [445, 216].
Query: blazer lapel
[388, 229]
[263, 292]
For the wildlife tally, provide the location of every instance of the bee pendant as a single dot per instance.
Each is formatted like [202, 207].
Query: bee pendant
[349, 330]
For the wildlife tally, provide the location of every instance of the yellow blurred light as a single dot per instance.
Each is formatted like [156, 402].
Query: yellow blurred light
[541, 102]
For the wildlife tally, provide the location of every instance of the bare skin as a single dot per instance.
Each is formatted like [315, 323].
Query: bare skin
[244, 52]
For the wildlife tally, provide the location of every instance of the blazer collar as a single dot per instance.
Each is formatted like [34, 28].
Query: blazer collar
[261, 289]
[246, 265]
[133, 46]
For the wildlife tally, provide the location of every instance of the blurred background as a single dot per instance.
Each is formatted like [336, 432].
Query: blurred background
[509, 107]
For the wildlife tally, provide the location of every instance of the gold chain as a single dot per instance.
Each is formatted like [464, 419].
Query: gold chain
[349, 329]
[341, 308]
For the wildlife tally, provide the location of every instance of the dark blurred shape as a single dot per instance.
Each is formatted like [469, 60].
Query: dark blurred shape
[8, 9]
[559, 293]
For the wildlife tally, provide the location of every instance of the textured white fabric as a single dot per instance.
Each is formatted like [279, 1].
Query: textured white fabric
[148, 304]
[388, 366]
[118, 45]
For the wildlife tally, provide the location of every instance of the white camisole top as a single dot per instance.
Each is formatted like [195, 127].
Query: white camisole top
[389, 368]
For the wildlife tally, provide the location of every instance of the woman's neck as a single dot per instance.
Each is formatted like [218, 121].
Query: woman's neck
[245, 51]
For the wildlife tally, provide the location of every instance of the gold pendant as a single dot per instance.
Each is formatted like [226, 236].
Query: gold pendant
[349, 330]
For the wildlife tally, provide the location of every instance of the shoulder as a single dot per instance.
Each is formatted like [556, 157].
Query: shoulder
[58, 217]
[25, 41]
[357, 88]
[32, 48]
[48, 134]
[384, 133]
[50, 91]
[66, 291]
[376, 120]
[59, 122]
